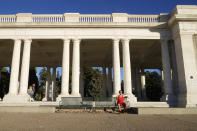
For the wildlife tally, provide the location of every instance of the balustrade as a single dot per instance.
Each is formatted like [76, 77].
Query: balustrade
[83, 18]
[95, 18]
[47, 18]
[143, 18]
[7, 18]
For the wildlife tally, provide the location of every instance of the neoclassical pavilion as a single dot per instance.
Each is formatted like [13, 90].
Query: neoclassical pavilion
[135, 42]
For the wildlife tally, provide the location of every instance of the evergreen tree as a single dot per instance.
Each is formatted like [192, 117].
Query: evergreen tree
[4, 84]
[153, 86]
[93, 83]
[33, 79]
[42, 83]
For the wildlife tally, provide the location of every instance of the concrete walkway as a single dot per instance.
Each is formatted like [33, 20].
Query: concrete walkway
[95, 121]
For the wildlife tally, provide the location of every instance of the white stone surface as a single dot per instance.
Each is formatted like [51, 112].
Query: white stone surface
[166, 71]
[25, 67]
[126, 67]
[13, 88]
[127, 71]
[116, 67]
[76, 68]
[82, 82]
[54, 84]
[65, 68]
[143, 83]
[48, 83]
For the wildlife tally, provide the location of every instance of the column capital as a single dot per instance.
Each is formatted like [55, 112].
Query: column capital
[116, 40]
[76, 40]
[16, 40]
[65, 40]
[125, 40]
[27, 40]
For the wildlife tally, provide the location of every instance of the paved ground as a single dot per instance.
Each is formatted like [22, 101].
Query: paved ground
[95, 121]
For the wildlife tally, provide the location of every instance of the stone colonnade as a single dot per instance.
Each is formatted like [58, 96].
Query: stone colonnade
[20, 92]
[76, 71]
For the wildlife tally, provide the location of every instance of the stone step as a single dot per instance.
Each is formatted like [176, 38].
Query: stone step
[28, 109]
[149, 104]
[165, 111]
[36, 103]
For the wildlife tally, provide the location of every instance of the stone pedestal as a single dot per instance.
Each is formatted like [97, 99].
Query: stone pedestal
[131, 100]
[16, 98]
[59, 98]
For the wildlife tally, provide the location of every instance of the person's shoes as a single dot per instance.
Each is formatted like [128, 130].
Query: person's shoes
[120, 111]
[31, 99]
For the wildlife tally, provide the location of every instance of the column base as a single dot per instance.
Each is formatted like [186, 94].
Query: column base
[44, 99]
[16, 98]
[170, 99]
[132, 100]
[75, 95]
[59, 98]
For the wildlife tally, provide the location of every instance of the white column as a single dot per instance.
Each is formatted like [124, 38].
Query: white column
[104, 82]
[54, 84]
[13, 89]
[76, 68]
[166, 69]
[49, 81]
[82, 82]
[25, 67]
[133, 73]
[143, 82]
[127, 72]
[109, 78]
[46, 98]
[138, 84]
[65, 68]
[174, 69]
[126, 67]
[116, 68]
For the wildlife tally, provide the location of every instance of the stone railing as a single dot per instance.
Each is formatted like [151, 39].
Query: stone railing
[7, 18]
[48, 18]
[81, 18]
[95, 18]
[143, 18]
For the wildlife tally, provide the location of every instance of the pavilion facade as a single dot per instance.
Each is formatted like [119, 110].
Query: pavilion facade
[135, 42]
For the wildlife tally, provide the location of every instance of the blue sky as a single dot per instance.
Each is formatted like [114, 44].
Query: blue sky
[90, 6]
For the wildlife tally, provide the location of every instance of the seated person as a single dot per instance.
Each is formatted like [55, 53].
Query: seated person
[31, 93]
[120, 101]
